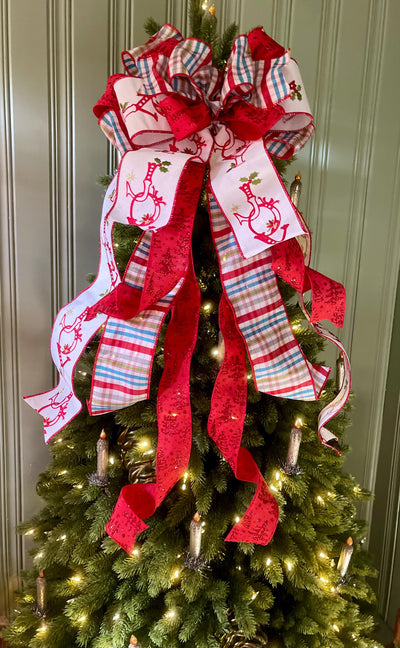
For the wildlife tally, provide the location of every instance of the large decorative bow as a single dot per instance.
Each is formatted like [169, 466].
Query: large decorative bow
[172, 114]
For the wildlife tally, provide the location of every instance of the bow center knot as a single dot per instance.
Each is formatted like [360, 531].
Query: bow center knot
[185, 116]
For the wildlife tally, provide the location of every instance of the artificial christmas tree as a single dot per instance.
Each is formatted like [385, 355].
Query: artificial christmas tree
[183, 581]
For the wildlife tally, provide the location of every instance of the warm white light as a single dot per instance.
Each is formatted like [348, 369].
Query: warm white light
[42, 628]
[116, 617]
[63, 537]
[112, 460]
[30, 532]
[39, 555]
[63, 472]
[237, 519]
[274, 488]
[79, 486]
[335, 627]
[207, 307]
[249, 376]
[135, 551]
[255, 594]
[82, 618]
[324, 580]
[333, 589]
[77, 579]
[322, 555]
[268, 561]
[320, 499]
[204, 6]
[170, 614]
[289, 566]
[176, 573]
[183, 486]
[277, 475]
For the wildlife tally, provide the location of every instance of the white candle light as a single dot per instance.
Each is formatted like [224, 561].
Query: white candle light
[294, 445]
[41, 592]
[345, 557]
[339, 372]
[102, 455]
[295, 190]
[195, 536]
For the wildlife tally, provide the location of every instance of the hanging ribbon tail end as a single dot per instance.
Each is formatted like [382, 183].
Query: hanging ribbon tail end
[136, 501]
[329, 439]
[328, 299]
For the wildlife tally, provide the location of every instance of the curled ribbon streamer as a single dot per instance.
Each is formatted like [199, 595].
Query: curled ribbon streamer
[170, 116]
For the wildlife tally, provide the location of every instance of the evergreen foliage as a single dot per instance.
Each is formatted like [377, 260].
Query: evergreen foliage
[98, 595]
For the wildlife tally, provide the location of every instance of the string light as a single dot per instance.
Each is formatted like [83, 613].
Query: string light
[63, 537]
[268, 562]
[30, 532]
[255, 594]
[112, 460]
[79, 486]
[144, 444]
[176, 574]
[76, 578]
[320, 499]
[207, 307]
[82, 619]
[170, 614]
[42, 628]
[289, 565]
[322, 555]
[135, 551]
[237, 519]
[335, 627]
[63, 472]
[116, 617]
[185, 477]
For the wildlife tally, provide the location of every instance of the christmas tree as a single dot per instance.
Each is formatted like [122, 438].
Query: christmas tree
[180, 583]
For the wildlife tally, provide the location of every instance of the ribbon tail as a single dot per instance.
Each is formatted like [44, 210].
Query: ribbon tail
[139, 501]
[225, 426]
[278, 364]
[153, 277]
[122, 369]
[72, 332]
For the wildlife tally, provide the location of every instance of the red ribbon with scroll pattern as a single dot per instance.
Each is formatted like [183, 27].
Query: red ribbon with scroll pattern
[172, 114]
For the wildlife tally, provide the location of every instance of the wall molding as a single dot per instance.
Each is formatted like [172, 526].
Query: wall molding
[11, 558]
